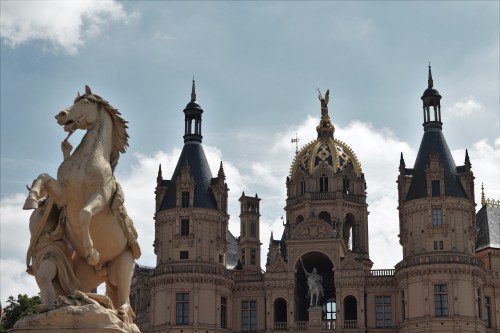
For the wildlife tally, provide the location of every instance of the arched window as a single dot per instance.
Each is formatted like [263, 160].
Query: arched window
[346, 185]
[350, 312]
[351, 232]
[280, 315]
[323, 183]
[302, 186]
[299, 219]
[325, 216]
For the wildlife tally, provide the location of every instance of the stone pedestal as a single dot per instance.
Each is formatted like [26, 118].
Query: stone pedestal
[75, 319]
[315, 317]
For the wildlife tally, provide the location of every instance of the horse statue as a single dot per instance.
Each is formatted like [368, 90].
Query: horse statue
[315, 284]
[91, 200]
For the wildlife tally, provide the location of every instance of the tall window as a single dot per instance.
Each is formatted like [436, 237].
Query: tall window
[302, 187]
[223, 312]
[323, 183]
[437, 218]
[331, 309]
[184, 227]
[182, 309]
[479, 303]
[249, 316]
[441, 300]
[436, 188]
[487, 311]
[383, 311]
[184, 255]
[185, 199]
[345, 185]
[253, 229]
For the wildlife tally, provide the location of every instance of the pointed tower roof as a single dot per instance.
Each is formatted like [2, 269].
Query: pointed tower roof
[193, 156]
[433, 142]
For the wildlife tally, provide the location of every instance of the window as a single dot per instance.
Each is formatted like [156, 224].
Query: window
[436, 188]
[323, 183]
[223, 312]
[302, 187]
[441, 300]
[383, 311]
[185, 199]
[243, 256]
[403, 309]
[182, 308]
[345, 185]
[487, 311]
[437, 217]
[438, 245]
[184, 227]
[331, 309]
[184, 255]
[221, 258]
[249, 316]
[479, 303]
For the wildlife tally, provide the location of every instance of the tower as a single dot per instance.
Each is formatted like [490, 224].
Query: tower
[325, 233]
[439, 278]
[250, 230]
[191, 226]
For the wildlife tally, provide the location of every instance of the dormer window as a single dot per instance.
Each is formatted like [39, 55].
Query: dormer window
[185, 199]
[436, 188]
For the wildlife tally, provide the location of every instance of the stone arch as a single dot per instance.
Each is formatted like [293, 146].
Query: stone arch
[299, 218]
[351, 232]
[325, 216]
[324, 266]
[280, 313]
[350, 310]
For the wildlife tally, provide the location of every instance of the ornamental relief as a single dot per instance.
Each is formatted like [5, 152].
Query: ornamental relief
[313, 229]
[437, 229]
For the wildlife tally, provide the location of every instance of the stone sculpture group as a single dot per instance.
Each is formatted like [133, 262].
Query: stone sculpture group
[81, 234]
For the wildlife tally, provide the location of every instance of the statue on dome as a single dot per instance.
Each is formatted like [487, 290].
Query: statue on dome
[324, 102]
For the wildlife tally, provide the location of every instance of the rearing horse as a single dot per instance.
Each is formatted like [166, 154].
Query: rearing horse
[97, 226]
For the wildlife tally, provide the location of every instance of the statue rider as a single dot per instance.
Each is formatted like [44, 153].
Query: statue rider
[315, 284]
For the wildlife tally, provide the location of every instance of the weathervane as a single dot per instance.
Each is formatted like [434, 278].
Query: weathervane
[296, 140]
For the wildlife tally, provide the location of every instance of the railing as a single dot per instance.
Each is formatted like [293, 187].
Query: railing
[380, 272]
[440, 259]
[301, 325]
[328, 196]
[329, 325]
[350, 324]
[281, 326]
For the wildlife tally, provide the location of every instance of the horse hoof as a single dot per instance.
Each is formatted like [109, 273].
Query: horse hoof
[93, 257]
[30, 203]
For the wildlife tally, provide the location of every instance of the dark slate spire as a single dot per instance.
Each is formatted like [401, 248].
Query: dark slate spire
[192, 118]
[192, 155]
[433, 142]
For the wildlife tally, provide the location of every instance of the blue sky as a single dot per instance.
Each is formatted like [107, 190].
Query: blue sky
[257, 66]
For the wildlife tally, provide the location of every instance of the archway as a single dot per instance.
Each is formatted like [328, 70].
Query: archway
[350, 312]
[280, 315]
[324, 268]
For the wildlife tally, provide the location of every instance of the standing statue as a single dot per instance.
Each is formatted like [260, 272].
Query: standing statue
[324, 102]
[96, 223]
[315, 284]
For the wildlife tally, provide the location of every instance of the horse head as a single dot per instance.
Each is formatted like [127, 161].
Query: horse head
[83, 114]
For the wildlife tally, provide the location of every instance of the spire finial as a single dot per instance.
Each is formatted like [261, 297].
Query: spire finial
[325, 128]
[193, 92]
[483, 199]
[429, 81]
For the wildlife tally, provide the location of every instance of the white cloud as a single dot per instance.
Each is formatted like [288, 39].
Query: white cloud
[463, 108]
[65, 25]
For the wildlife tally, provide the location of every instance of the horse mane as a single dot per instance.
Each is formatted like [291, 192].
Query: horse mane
[120, 135]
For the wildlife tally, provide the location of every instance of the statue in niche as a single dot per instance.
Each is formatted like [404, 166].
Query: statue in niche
[315, 286]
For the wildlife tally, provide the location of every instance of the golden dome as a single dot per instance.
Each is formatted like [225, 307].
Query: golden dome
[325, 148]
[335, 153]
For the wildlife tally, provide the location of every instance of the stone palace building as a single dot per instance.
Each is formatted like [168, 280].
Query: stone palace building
[208, 281]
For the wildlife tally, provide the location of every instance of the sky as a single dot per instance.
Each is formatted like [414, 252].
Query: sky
[257, 66]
